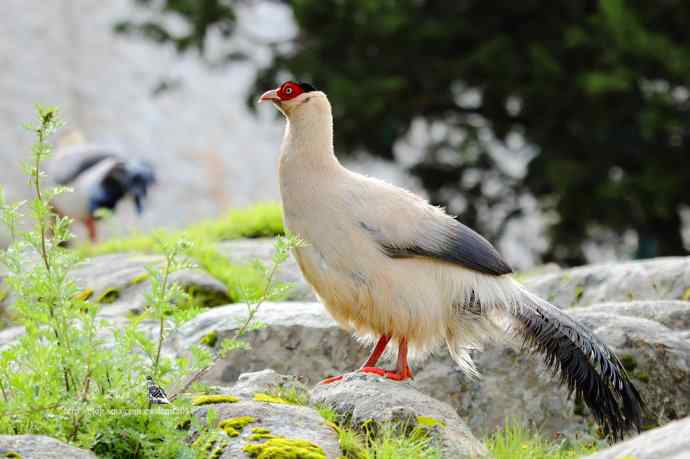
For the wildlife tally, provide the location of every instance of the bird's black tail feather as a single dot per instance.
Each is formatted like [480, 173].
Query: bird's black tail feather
[584, 363]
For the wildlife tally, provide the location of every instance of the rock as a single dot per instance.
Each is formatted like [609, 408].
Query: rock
[289, 421]
[249, 384]
[121, 281]
[40, 447]
[672, 314]
[361, 398]
[9, 335]
[669, 442]
[298, 338]
[248, 250]
[657, 359]
[302, 339]
[656, 279]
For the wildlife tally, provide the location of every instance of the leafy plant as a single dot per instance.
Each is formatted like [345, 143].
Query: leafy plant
[81, 379]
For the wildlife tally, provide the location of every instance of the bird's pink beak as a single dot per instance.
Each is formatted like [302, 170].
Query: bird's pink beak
[271, 95]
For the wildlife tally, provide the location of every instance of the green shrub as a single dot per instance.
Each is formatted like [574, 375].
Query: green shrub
[71, 376]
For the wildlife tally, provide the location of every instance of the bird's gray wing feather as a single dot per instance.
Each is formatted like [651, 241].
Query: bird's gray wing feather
[456, 244]
[403, 225]
[72, 161]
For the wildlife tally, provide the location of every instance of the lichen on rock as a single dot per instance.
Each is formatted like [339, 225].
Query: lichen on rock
[261, 397]
[200, 400]
[285, 448]
[233, 426]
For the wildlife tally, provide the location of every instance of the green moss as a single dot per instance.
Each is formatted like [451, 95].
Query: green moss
[206, 298]
[285, 448]
[11, 455]
[184, 425]
[579, 291]
[210, 445]
[213, 398]
[629, 363]
[143, 277]
[686, 295]
[233, 426]
[428, 421]
[261, 220]
[84, 294]
[110, 296]
[291, 394]
[210, 339]
[261, 397]
[261, 436]
[3, 294]
[641, 376]
[260, 430]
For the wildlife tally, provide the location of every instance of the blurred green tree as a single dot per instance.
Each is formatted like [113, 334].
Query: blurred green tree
[599, 89]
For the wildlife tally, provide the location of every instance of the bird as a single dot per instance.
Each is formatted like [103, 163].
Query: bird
[100, 177]
[403, 273]
[157, 395]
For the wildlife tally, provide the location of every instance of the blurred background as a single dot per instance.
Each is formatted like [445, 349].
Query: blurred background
[559, 130]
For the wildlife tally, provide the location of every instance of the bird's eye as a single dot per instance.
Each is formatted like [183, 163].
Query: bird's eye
[288, 90]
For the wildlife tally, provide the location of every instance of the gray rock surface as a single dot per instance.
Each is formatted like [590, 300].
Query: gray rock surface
[120, 281]
[301, 339]
[247, 250]
[361, 398]
[289, 421]
[669, 442]
[298, 338]
[249, 384]
[657, 359]
[656, 279]
[40, 447]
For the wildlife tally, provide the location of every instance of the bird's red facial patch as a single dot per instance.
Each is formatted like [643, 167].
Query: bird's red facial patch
[289, 90]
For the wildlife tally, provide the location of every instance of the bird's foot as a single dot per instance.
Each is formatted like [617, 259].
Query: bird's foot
[397, 375]
[332, 379]
[393, 375]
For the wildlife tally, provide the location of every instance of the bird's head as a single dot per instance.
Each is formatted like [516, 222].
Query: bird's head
[296, 98]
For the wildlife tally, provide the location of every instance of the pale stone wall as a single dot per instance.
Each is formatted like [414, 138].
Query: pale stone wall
[210, 152]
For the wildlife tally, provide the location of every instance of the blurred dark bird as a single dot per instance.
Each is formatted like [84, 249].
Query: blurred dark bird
[157, 395]
[100, 178]
[396, 269]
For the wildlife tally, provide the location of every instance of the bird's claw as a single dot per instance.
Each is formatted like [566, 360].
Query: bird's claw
[332, 379]
[392, 375]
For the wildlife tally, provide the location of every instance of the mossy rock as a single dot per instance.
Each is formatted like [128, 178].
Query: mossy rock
[109, 296]
[200, 400]
[261, 397]
[206, 298]
[428, 421]
[233, 426]
[209, 339]
[210, 445]
[285, 448]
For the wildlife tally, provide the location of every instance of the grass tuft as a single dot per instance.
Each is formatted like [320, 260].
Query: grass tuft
[517, 442]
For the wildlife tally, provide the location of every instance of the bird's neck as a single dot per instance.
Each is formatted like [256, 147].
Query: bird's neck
[308, 144]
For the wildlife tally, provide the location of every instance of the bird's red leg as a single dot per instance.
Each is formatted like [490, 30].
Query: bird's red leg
[402, 370]
[91, 228]
[377, 352]
[371, 361]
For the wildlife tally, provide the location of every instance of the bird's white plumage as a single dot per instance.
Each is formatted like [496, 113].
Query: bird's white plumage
[335, 211]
